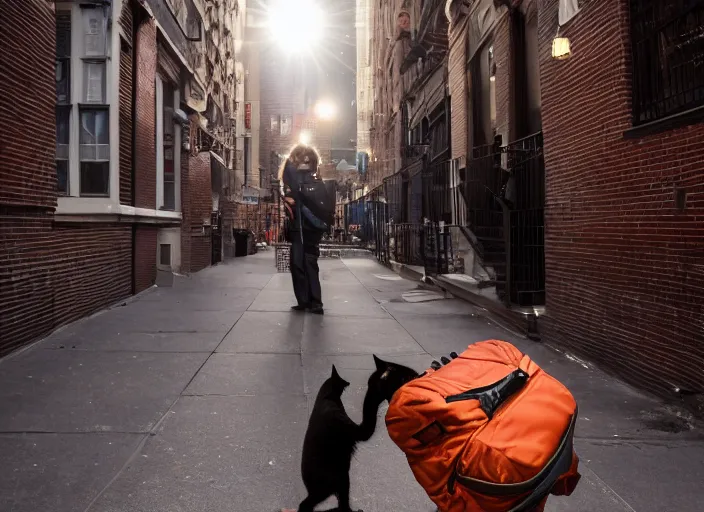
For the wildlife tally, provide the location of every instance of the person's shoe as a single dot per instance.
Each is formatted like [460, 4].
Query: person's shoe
[317, 310]
[299, 307]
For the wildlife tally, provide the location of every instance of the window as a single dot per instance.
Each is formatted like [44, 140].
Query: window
[63, 98]
[82, 109]
[483, 100]
[63, 118]
[94, 152]
[167, 144]
[94, 136]
[668, 58]
[165, 255]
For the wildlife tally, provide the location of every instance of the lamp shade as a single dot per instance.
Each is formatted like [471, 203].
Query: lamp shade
[561, 48]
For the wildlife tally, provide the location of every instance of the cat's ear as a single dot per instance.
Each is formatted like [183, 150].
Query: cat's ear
[336, 375]
[380, 365]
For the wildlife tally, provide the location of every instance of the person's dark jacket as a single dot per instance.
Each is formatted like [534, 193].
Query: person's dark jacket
[292, 179]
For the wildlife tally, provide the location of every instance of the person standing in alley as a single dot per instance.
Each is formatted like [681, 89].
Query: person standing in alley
[304, 230]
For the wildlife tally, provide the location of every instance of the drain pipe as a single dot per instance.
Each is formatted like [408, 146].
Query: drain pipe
[137, 21]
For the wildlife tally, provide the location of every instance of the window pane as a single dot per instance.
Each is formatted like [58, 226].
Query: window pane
[63, 81]
[63, 34]
[62, 176]
[88, 127]
[169, 194]
[94, 82]
[95, 178]
[94, 127]
[62, 125]
[94, 34]
[101, 127]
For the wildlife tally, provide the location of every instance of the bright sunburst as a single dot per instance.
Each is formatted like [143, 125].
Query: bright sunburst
[296, 24]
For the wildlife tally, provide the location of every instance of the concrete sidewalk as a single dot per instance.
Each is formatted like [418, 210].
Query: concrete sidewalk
[196, 398]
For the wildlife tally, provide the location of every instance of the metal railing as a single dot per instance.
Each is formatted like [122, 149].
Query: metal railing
[406, 244]
[524, 196]
[668, 57]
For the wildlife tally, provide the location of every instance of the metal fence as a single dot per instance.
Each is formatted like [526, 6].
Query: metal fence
[406, 244]
[525, 196]
[500, 209]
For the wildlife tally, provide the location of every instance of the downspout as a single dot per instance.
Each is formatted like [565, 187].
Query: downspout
[137, 21]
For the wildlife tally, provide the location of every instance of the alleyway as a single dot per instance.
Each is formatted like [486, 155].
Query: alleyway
[195, 398]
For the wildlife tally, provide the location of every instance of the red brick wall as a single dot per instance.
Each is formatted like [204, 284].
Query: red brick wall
[92, 268]
[197, 207]
[145, 257]
[52, 275]
[126, 63]
[625, 269]
[28, 168]
[145, 150]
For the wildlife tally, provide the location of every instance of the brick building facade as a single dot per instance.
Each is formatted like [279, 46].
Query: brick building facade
[100, 162]
[577, 183]
[625, 192]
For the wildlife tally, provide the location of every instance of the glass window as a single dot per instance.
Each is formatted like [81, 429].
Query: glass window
[94, 32]
[94, 82]
[63, 81]
[169, 161]
[94, 153]
[63, 97]
[95, 178]
[63, 115]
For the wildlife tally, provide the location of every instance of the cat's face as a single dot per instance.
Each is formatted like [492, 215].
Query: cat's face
[389, 377]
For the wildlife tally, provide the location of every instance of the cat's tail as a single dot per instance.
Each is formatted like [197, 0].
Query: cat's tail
[370, 409]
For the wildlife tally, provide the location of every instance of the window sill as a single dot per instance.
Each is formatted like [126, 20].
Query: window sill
[77, 210]
[687, 118]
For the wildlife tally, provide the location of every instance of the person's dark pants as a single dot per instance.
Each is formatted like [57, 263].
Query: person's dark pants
[304, 268]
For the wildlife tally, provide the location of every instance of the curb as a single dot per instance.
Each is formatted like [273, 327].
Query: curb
[524, 323]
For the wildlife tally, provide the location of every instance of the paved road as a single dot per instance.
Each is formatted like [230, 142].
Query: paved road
[195, 398]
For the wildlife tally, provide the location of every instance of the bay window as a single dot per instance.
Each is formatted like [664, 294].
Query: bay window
[167, 144]
[63, 98]
[82, 98]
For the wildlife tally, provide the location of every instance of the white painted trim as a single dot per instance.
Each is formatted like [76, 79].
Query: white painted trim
[159, 142]
[102, 206]
[112, 93]
[74, 163]
[177, 154]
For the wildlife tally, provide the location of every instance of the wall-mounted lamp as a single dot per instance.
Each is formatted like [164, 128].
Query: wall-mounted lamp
[561, 47]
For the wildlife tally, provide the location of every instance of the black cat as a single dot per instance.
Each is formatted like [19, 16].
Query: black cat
[389, 377]
[330, 442]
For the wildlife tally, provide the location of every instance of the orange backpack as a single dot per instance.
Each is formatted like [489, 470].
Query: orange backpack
[488, 432]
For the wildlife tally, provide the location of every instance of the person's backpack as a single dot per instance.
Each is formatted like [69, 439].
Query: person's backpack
[319, 198]
[488, 432]
[312, 220]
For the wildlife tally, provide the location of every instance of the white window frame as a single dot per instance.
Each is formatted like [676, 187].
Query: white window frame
[160, 147]
[77, 98]
[73, 208]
